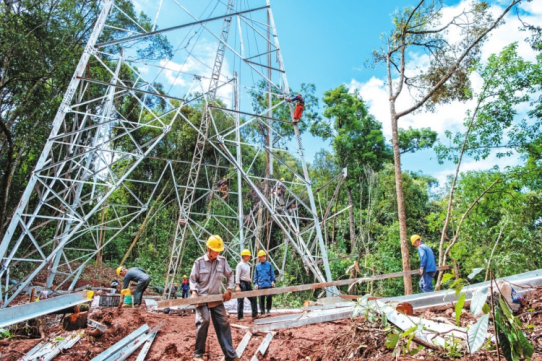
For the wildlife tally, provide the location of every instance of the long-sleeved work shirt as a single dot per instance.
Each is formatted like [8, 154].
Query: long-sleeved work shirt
[264, 275]
[298, 98]
[185, 285]
[135, 274]
[206, 276]
[242, 272]
[427, 259]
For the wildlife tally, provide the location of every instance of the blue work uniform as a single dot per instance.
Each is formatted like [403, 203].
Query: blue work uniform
[264, 275]
[429, 266]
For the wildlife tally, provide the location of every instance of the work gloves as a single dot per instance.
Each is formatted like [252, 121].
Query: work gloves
[227, 296]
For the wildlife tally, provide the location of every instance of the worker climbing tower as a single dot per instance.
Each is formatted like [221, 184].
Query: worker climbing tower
[213, 108]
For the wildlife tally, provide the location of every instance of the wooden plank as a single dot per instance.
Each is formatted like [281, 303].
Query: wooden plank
[295, 288]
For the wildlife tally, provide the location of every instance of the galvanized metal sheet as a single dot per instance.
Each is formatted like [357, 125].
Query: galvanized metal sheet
[427, 300]
[24, 312]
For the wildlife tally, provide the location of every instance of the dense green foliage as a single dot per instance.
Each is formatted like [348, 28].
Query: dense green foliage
[39, 48]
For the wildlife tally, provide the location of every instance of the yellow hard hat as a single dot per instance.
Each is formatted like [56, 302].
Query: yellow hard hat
[282, 178]
[246, 252]
[184, 276]
[119, 269]
[215, 243]
[261, 253]
[413, 238]
[175, 284]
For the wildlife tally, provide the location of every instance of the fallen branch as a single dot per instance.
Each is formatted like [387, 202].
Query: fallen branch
[426, 344]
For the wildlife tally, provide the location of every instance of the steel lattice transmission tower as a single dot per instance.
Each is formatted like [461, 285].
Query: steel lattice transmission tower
[227, 63]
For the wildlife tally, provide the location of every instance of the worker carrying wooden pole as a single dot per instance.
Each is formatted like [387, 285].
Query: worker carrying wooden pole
[206, 280]
[290, 289]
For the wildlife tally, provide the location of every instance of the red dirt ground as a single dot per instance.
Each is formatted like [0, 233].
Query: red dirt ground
[326, 341]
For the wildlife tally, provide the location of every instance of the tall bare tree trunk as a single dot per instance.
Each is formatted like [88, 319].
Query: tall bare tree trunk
[401, 204]
[351, 216]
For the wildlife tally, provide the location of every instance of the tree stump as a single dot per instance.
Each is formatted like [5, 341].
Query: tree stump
[75, 321]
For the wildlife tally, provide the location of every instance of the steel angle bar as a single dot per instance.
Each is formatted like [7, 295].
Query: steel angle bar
[288, 167]
[343, 314]
[427, 300]
[281, 318]
[24, 312]
[130, 88]
[143, 353]
[263, 347]
[100, 45]
[126, 352]
[405, 322]
[29, 355]
[243, 344]
[67, 343]
[104, 356]
[128, 16]
[249, 114]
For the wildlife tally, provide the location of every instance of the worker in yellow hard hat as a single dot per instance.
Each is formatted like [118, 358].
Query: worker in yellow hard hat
[137, 275]
[244, 284]
[206, 279]
[185, 286]
[264, 278]
[428, 267]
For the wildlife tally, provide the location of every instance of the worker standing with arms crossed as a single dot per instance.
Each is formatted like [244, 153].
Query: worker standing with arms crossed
[206, 279]
[136, 275]
[264, 278]
[428, 267]
[244, 284]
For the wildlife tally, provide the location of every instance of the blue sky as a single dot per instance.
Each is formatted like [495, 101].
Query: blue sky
[327, 43]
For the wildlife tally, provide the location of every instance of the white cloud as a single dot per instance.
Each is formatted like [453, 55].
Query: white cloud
[179, 73]
[451, 116]
[473, 165]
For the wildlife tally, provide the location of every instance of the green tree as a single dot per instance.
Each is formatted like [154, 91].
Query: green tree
[446, 79]
[356, 138]
[412, 140]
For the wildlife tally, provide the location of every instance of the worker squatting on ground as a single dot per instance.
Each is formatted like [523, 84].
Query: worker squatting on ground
[137, 275]
[244, 284]
[206, 279]
[299, 108]
[264, 278]
[185, 286]
[428, 267]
